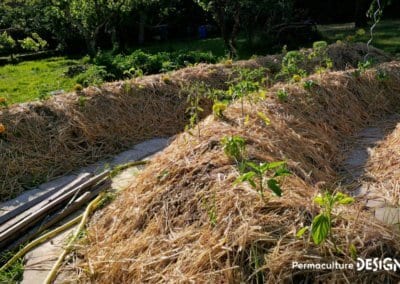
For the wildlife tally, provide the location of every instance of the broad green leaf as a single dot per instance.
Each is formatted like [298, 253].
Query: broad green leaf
[274, 165]
[282, 172]
[274, 186]
[249, 177]
[252, 165]
[301, 232]
[320, 228]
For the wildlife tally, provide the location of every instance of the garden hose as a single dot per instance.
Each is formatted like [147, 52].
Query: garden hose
[81, 218]
[38, 241]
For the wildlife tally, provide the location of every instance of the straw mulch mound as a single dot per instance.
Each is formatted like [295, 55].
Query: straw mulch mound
[159, 230]
[50, 138]
[47, 139]
[349, 55]
[382, 175]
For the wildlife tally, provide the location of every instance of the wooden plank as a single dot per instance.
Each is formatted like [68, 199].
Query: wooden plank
[51, 204]
[20, 209]
[85, 198]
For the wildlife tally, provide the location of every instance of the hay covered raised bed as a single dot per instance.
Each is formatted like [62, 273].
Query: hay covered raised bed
[159, 230]
[46, 139]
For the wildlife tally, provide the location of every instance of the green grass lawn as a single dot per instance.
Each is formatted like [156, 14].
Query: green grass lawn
[31, 80]
[386, 35]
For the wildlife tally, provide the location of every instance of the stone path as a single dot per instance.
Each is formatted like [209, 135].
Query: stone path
[363, 158]
[40, 260]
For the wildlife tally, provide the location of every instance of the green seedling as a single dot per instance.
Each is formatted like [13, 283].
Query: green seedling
[195, 93]
[282, 95]
[218, 109]
[308, 85]
[382, 76]
[210, 206]
[247, 81]
[234, 147]
[256, 176]
[321, 227]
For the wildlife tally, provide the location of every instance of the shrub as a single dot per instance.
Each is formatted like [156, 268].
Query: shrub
[94, 75]
[290, 64]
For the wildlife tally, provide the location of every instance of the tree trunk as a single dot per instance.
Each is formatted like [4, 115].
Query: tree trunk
[142, 22]
[360, 18]
[91, 46]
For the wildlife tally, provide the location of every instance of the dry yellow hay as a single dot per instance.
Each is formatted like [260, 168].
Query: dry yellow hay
[382, 175]
[48, 139]
[159, 231]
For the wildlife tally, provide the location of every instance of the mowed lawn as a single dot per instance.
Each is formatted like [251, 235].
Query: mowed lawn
[32, 80]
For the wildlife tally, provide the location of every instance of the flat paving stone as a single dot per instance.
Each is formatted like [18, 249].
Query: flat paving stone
[389, 215]
[375, 203]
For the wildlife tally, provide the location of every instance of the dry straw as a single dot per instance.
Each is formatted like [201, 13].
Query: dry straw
[159, 230]
[46, 139]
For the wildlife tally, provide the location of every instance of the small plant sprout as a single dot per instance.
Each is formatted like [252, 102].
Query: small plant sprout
[209, 204]
[320, 52]
[248, 81]
[363, 66]
[290, 65]
[382, 76]
[296, 78]
[234, 147]
[195, 93]
[78, 88]
[321, 227]
[282, 95]
[256, 176]
[218, 109]
[307, 85]
[264, 118]
[82, 101]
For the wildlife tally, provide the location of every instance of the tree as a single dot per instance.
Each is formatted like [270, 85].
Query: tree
[233, 15]
[91, 17]
[34, 43]
[361, 13]
[7, 44]
[227, 15]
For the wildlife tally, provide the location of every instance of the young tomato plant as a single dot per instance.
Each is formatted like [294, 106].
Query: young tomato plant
[234, 147]
[256, 176]
[195, 93]
[321, 227]
[247, 81]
